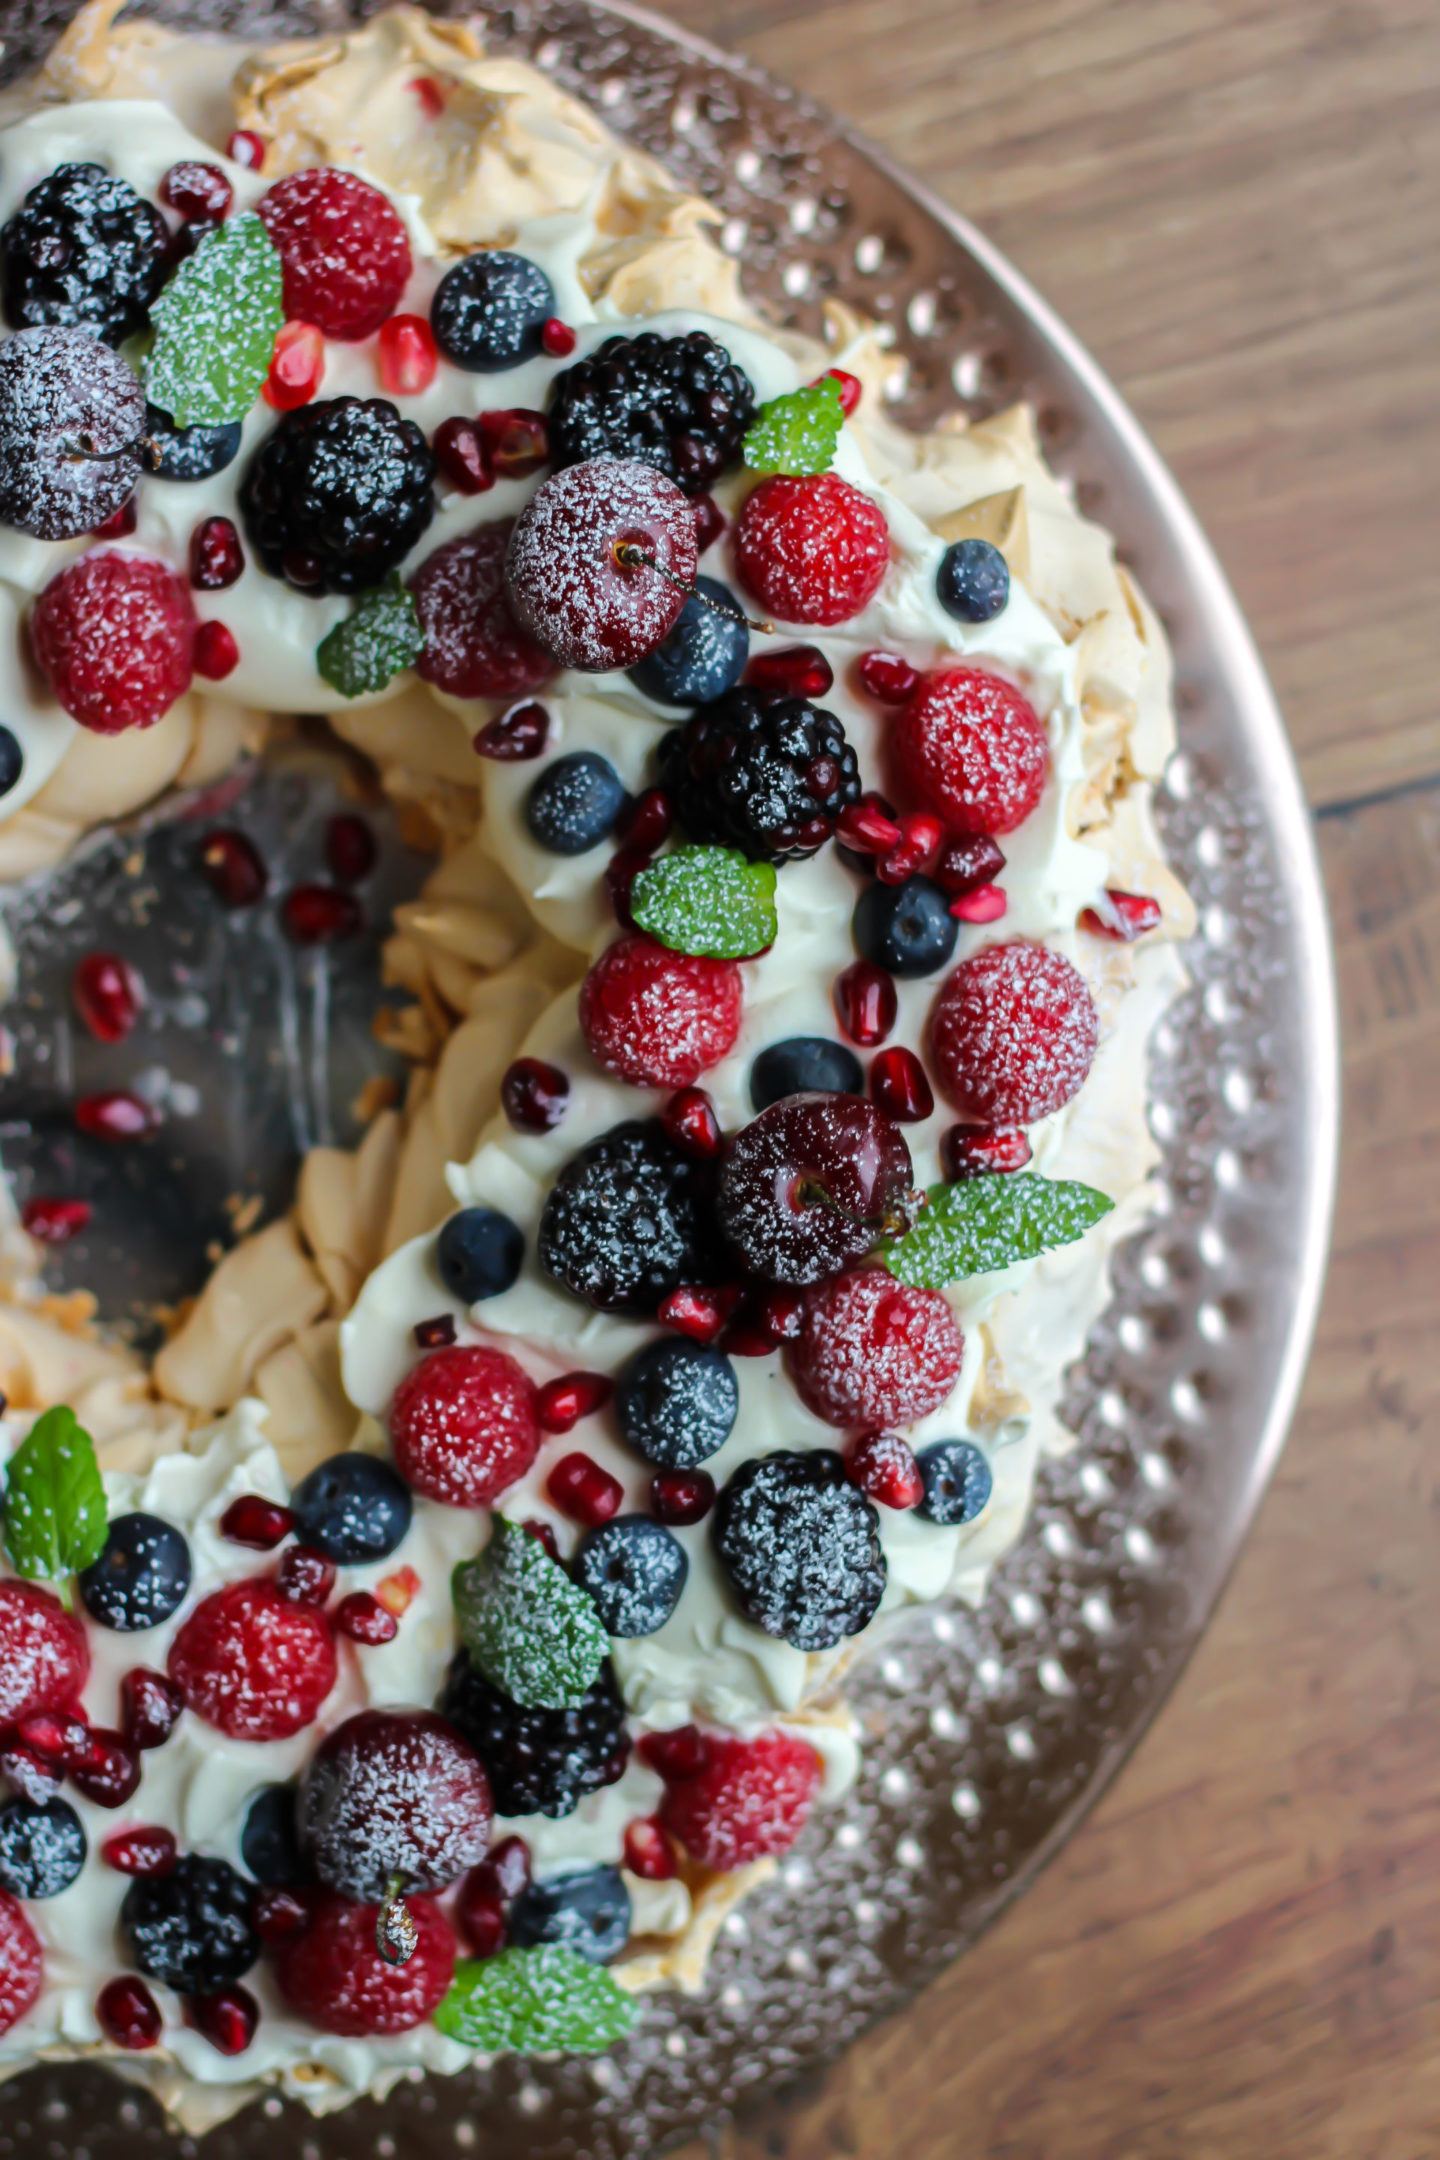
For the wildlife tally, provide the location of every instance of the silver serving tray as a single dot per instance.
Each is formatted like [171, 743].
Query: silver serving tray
[990, 1734]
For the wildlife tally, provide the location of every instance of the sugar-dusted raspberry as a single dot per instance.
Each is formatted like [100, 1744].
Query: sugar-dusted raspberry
[463, 1425]
[812, 549]
[474, 647]
[331, 1972]
[115, 638]
[21, 1964]
[658, 1018]
[1012, 1034]
[345, 252]
[971, 747]
[44, 1657]
[748, 1802]
[600, 562]
[251, 1663]
[873, 1352]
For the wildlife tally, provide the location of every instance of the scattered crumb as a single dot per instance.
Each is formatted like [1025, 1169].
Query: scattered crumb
[73, 1310]
[244, 1212]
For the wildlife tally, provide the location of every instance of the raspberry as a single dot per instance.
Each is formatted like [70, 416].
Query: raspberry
[84, 251]
[115, 638]
[20, 1962]
[540, 1762]
[1012, 1034]
[338, 494]
[764, 773]
[346, 256]
[800, 1546]
[749, 1801]
[252, 1664]
[812, 550]
[658, 1018]
[463, 1425]
[44, 1657]
[971, 746]
[331, 1972]
[394, 1793]
[72, 416]
[474, 648]
[873, 1352]
[628, 1220]
[600, 563]
[680, 404]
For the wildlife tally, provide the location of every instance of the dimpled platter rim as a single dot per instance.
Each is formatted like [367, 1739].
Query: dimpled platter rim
[989, 1734]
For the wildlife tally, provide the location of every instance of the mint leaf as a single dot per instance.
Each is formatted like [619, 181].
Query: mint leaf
[797, 433]
[985, 1223]
[375, 644]
[55, 1519]
[532, 1632]
[215, 326]
[708, 900]
[535, 2002]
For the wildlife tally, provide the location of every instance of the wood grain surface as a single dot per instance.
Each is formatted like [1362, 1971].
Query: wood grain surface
[1236, 203]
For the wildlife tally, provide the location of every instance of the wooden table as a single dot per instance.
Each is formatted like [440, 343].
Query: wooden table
[1236, 203]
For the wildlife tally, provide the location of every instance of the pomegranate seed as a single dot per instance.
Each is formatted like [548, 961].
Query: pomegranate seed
[227, 2020]
[986, 904]
[516, 441]
[1121, 915]
[114, 1115]
[747, 1337]
[580, 1488]
[508, 1866]
[648, 1852]
[480, 1915]
[247, 148]
[194, 190]
[150, 1707]
[397, 1592]
[647, 820]
[676, 1755]
[977, 1151]
[886, 677]
[709, 522]
[107, 996]
[866, 1003]
[865, 827]
[35, 1777]
[966, 864]
[562, 1403]
[898, 1086]
[885, 1469]
[233, 865]
[678, 1497]
[691, 1121]
[800, 671]
[781, 1314]
[109, 1770]
[277, 1913]
[350, 849]
[407, 355]
[620, 874]
[149, 1850]
[321, 914]
[544, 1534]
[429, 95]
[305, 1576]
[297, 366]
[259, 1523]
[125, 2007]
[516, 736]
[700, 1314]
[462, 457]
[55, 1222]
[436, 1334]
[216, 652]
[364, 1619]
[56, 1734]
[119, 525]
[851, 388]
[557, 338]
[216, 556]
[534, 1095]
[920, 836]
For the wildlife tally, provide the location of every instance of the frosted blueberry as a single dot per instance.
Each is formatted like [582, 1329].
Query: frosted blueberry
[973, 581]
[588, 1912]
[705, 653]
[574, 803]
[635, 1571]
[141, 1577]
[802, 1064]
[489, 310]
[957, 1479]
[353, 1508]
[677, 1402]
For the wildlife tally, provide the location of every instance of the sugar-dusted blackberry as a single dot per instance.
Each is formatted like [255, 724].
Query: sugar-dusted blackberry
[769, 775]
[801, 1547]
[83, 250]
[338, 494]
[540, 1762]
[191, 1928]
[72, 417]
[679, 403]
[628, 1220]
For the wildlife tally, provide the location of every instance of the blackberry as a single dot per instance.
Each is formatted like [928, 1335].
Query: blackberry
[765, 774]
[85, 251]
[801, 1548]
[678, 403]
[628, 1220]
[72, 416]
[339, 494]
[191, 1928]
[540, 1762]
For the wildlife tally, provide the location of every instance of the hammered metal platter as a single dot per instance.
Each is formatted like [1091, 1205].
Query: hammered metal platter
[989, 1734]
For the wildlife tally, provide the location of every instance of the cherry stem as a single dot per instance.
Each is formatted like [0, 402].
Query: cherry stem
[396, 1935]
[897, 1219]
[631, 556]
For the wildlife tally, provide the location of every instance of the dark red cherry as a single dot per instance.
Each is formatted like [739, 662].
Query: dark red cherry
[810, 1184]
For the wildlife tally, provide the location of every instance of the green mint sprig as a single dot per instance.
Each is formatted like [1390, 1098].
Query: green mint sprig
[535, 2002]
[707, 900]
[55, 1518]
[797, 433]
[378, 642]
[531, 1630]
[215, 326]
[984, 1223]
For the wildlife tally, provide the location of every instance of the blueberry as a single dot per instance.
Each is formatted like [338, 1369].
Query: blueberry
[635, 1571]
[704, 655]
[906, 929]
[973, 581]
[677, 1402]
[957, 1481]
[588, 1912]
[574, 803]
[42, 1847]
[191, 1928]
[141, 1577]
[478, 1253]
[188, 453]
[12, 760]
[801, 1066]
[488, 311]
[270, 1843]
[353, 1508]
